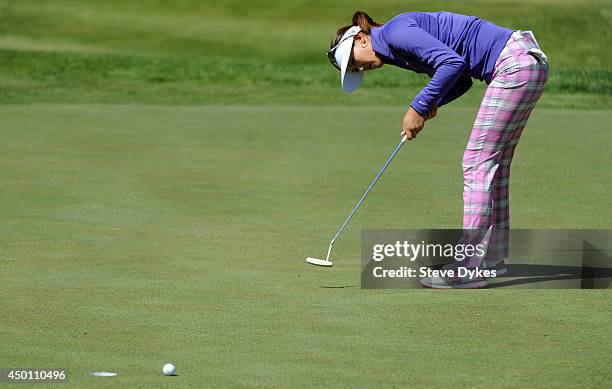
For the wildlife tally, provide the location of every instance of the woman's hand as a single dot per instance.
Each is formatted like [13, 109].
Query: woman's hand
[413, 123]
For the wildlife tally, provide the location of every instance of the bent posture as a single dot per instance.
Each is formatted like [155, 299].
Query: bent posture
[453, 49]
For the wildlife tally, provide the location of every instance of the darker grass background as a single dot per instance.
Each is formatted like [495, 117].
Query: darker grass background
[78, 77]
[265, 53]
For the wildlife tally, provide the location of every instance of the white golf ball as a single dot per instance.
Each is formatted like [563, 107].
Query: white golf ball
[169, 369]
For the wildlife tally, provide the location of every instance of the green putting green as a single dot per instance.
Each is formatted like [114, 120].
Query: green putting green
[136, 235]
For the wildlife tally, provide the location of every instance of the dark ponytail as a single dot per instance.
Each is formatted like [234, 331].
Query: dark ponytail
[364, 21]
[361, 19]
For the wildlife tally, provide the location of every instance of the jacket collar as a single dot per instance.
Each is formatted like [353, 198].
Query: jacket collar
[379, 45]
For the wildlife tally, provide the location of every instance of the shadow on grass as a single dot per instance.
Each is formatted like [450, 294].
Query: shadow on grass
[589, 277]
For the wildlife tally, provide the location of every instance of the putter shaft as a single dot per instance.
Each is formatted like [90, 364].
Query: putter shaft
[397, 148]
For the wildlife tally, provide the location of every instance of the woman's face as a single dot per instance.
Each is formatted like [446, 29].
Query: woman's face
[364, 58]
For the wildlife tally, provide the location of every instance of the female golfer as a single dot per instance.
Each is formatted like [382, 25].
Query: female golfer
[452, 49]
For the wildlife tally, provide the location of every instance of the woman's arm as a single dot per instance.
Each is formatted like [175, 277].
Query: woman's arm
[463, 85]
[413, 42]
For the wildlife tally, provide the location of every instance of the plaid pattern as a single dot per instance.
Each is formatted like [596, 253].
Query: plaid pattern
[517, 84]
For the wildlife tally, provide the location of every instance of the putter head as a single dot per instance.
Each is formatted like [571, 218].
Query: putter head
[319, 262]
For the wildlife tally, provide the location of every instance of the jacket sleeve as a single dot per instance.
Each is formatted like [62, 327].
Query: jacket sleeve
[411, 41]
[463, 85]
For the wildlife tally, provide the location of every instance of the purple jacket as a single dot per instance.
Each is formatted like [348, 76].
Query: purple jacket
[450, 48]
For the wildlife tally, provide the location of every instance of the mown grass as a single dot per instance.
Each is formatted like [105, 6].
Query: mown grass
[268, 52]
[93, 77]
[573, 32]
[134, 235]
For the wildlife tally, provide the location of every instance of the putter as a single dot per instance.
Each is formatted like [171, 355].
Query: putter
[326, 262]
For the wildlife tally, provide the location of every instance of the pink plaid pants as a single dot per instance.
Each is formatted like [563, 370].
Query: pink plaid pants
[520, 73]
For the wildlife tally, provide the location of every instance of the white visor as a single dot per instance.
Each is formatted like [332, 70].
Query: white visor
[349, 80]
